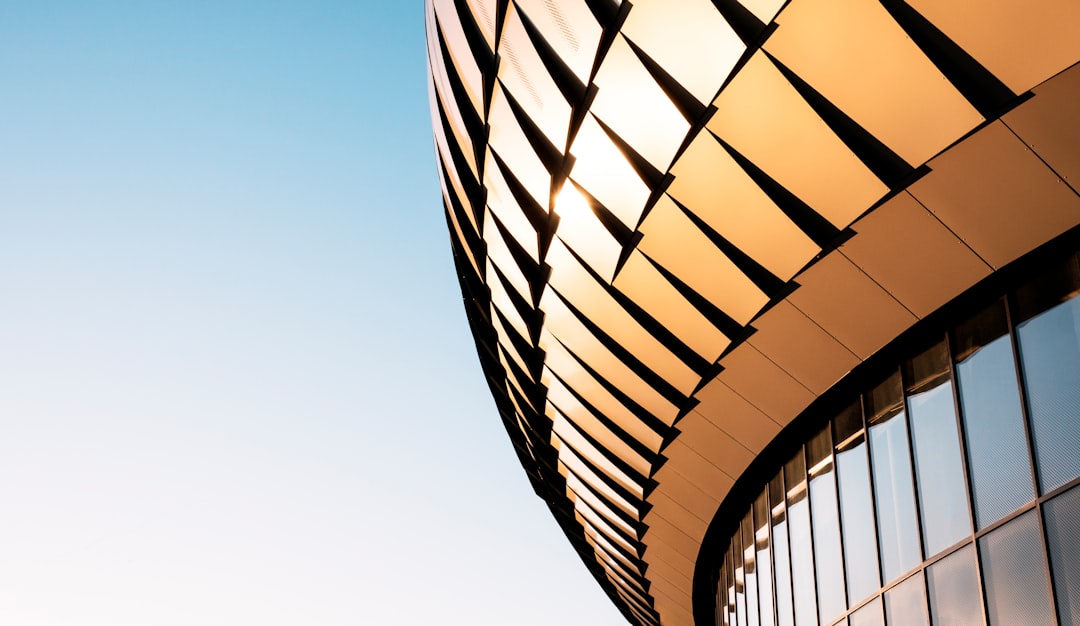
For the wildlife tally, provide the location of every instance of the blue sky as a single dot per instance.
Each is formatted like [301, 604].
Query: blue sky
[236, 383]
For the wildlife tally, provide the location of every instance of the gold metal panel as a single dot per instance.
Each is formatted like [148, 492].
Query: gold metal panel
[977, 188]
[457, 228]
[631, 104]
[661, 552]
[714, 445]
[499, 255]
[508, 140]
[660, 568]
[844, 302]
[560, 361]
[799, 346]
[457, 123]
[564, 432]
[643, 284]
[458, 46]
[584, 492]
[500, 299]
[485, 12]
[602, 170]
[568, 329]
[762, 116]
[501, 203]
[1050, 126]
[731, 413]
[677, 514]
[764, 10]
[581, 231]
[709, 183]
[562, 403]
[671, 535]
[764, 384]
[525, 77]
[677, 245]
[912, 255]
[571, 30]
[1022, 43]
[571, 280]
[702, 34]
[593, 480]
[696, 469]
[700, 505]
[674, 610]
[853, 53]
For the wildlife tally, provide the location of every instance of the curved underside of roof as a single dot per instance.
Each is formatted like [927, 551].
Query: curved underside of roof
[677, 223]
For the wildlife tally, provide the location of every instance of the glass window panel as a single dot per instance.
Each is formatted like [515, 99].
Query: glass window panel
[906, 603]
[740, 577]
[828, 560]
[721, 594]
[993, 424]
[869, 615]
[1063, 537]
[729, 591]
[750, 566]
[1050, 357]
[890, 456]
[936, 445]
[1014, 573]
[802, 556]
[764, 559]
[955, 597]
[778, 514]
[856, 505]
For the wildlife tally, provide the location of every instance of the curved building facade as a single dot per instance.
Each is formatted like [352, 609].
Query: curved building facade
[776, 299]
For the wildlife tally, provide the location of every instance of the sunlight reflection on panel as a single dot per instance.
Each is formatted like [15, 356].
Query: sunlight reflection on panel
[602, 170]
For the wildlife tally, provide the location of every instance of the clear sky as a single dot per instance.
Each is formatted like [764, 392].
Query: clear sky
[236, 383]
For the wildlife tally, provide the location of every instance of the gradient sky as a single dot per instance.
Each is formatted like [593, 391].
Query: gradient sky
[236, 381]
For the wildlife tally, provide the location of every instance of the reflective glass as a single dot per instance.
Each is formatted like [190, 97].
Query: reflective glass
[764, 559]
[990, 402]
[1014, 573]
[954, 589]
[906, 603]
[750, 568]
[936, 445]
[781, 559]
[869, 615]
[1063, 538]
[856, 505]
[740, 578]
[802, 557]
[729, 591]
[1049, 345]
[826, 524]
[890, 457]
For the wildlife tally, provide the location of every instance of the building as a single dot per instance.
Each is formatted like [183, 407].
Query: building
[777, 299]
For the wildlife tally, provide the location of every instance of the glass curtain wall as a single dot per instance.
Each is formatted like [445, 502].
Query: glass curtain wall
[948, 493]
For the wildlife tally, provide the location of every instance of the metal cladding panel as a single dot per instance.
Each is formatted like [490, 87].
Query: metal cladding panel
[677, 223]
